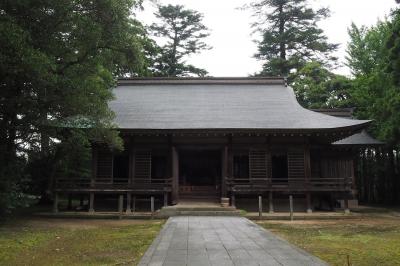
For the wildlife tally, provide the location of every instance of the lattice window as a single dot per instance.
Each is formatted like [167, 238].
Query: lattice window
[258, 162]
[296, 163]
[142, 165]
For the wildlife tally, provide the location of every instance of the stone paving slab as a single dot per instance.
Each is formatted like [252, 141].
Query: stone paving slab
[233, 241]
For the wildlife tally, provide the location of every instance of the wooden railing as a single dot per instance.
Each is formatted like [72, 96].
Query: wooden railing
[113, 183]
[290, 183]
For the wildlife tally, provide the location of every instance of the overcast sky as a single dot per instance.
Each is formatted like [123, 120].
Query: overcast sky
[232, 41]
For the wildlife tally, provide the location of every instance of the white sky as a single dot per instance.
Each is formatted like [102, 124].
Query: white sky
[231, 38]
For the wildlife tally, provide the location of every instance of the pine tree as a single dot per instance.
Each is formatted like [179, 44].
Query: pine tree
[290, 35]
[183, 31]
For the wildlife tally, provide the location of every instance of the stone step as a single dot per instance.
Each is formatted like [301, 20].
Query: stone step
[198, 211]
[208, 213]
[199, 208]
[196, 196]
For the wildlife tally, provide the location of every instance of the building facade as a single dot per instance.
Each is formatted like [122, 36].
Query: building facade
[213, 138]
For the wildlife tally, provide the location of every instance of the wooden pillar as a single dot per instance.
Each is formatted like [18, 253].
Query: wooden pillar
[91, 202]
[165, 199]
[291, 207]
[225, 150]
[55, 203]
[307, 173]
[94, 167]
[69, 201]
[309, 206]
[260, 208]
[270, 202]
[307, 162]
[131, 162]
[346, 206]
[120, 204]
[230, 158]
[233, 200]
[152, 205]
[81, 199]
[128, 202]
[175, 175]
[134, 204]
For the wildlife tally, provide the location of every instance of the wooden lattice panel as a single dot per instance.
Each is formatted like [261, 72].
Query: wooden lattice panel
[143, 165]
[296, 163]
[258, 164]
[336, 168]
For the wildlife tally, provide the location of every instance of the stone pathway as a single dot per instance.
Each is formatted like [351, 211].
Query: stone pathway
[192, 241]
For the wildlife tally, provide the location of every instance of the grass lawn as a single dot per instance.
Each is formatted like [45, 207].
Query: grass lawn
[75, 242]
[370, 240]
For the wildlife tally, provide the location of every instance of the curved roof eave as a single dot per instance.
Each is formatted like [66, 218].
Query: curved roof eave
[219, 105]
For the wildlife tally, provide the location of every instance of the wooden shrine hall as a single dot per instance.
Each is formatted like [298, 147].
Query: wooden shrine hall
[220, 138]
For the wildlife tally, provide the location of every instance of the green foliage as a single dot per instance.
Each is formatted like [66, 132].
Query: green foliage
[12, 190]
[374, 92]
[290, 35]
[393, 45]
[183, 31]
[317, 87]
[60, 60]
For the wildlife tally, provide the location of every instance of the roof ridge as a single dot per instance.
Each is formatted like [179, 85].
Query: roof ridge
[201, 80]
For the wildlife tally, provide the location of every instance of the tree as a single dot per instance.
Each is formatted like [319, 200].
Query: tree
[317, 87]
[373, 60]
[290, 35]
[374, 93]
[183, 31]
[59, 62]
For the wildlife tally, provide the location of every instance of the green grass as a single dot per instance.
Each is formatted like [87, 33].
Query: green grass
[101, 244]
[364, 242]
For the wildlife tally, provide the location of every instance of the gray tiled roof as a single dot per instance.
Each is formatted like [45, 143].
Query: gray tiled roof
[216, 104]
[362, 138]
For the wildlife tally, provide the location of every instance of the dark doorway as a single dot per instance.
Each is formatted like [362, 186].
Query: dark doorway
[200, 168]
[121, 168]
[279, 167]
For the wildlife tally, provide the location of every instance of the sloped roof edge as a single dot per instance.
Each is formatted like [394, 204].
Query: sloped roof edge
[264, 104]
